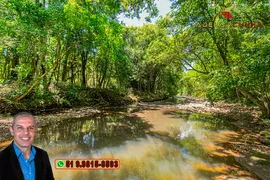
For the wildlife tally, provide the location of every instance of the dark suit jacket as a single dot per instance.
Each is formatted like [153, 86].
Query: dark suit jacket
[10, 167]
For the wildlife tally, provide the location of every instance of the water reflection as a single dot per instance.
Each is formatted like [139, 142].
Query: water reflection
[151, 144]
[89, 139]
[93, 132]
[185, 131]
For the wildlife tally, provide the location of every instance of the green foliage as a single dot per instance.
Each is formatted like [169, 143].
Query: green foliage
[235, 60]
[79, 43]
[222, 85]
[205, 118]
[266, 120]
[195, 50]
[207, 121]
[194, 84]
[154, 69]
[193, 147]
[78, 96]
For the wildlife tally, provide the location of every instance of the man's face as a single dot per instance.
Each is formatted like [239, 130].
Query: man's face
[23, 131]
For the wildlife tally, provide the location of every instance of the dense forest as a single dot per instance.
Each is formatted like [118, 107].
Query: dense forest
[55, 50]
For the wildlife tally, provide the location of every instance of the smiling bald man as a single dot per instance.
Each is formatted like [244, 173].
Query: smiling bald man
[21, 160]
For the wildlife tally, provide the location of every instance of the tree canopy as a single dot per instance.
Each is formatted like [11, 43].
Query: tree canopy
[209, 48]
[226, 43]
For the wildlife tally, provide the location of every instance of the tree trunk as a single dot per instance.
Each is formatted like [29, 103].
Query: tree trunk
[72, 78]
[34, 65]
[58, 73]
[103, 73]
[84, 61]
[5, 75]
[65, 65]
[262, 103]
[15, 62]
[153, 81]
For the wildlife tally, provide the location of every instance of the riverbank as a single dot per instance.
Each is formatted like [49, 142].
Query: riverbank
[59, 97]
[244, 117]
[252, 142]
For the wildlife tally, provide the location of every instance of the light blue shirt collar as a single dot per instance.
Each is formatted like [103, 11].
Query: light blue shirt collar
[19, 152]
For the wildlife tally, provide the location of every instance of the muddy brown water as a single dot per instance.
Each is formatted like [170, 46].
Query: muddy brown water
[150, 143]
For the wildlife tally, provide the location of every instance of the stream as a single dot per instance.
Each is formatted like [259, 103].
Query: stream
[153, 142]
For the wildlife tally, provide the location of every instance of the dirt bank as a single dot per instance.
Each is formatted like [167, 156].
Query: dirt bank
[254, 132]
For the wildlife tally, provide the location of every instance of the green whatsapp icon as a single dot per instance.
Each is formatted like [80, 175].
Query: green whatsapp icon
[60, 164]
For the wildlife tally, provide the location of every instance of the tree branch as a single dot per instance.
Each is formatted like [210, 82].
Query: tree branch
[202, 72]
[43, 75]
